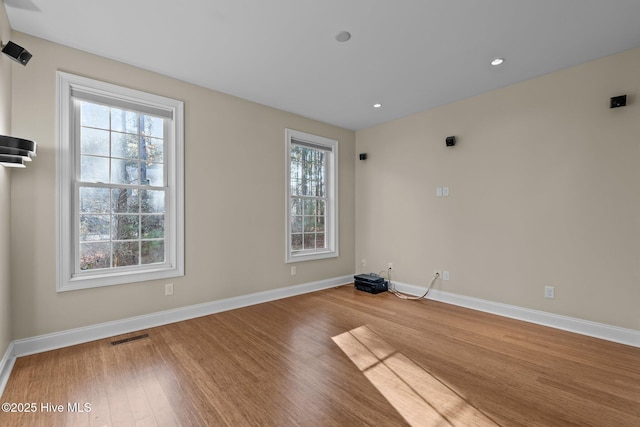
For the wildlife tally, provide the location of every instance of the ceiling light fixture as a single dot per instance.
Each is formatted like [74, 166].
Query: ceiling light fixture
[377, 105]
[343, 36]
[497, 61]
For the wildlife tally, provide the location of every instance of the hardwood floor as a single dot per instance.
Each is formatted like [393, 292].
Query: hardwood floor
[338, 357]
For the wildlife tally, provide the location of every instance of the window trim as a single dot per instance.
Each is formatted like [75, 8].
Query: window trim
[332, 219]
[67, 171]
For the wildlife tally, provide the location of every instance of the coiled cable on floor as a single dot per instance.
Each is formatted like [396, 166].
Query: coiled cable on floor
[399, 294]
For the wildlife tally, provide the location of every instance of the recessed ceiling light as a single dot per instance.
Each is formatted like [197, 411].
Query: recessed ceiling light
[343, 36]
[497, 61]
[377, 105]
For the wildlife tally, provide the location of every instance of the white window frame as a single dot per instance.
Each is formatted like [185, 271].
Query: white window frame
[67, 171]
[331, 215]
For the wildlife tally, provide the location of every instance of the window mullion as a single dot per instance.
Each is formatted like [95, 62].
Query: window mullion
[123, 186]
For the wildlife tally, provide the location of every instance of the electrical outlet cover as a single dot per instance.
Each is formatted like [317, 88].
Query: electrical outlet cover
[549, 292]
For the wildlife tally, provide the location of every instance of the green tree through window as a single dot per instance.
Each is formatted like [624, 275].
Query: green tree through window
[122, 194]
[312, 229]
[120, 185]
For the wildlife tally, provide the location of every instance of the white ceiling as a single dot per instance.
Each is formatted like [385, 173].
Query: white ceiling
[409, 55]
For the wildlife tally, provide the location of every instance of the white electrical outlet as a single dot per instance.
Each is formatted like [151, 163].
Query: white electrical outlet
[168, 289]
[363, 263]
[549, 292]
[438, 191]
[445, 191]
[445, 275]
[294, 271]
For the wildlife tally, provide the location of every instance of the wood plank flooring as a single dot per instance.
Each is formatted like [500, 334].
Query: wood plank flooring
[338, 357]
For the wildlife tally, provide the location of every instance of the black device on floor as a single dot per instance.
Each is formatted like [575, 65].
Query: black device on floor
[371, 283]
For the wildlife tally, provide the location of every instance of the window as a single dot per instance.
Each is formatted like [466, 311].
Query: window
[120, 185]
[312, 197]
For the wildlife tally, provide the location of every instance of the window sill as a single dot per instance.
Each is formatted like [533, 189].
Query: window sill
[311, 256]
[118, 278]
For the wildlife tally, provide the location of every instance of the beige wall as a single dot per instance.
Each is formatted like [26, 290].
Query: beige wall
[544, 185]
[544, 190]
[5, 189]
[235, 203]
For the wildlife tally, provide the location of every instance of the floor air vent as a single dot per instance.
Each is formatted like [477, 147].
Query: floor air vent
[126, 340]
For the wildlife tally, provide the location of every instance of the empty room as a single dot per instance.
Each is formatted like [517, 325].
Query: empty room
[320, 213]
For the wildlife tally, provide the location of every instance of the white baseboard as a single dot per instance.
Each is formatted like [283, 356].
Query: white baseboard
[70, 337]
[6, 365]
[584, 327]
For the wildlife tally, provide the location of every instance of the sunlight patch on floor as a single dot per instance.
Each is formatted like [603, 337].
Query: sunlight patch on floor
[418, 396]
